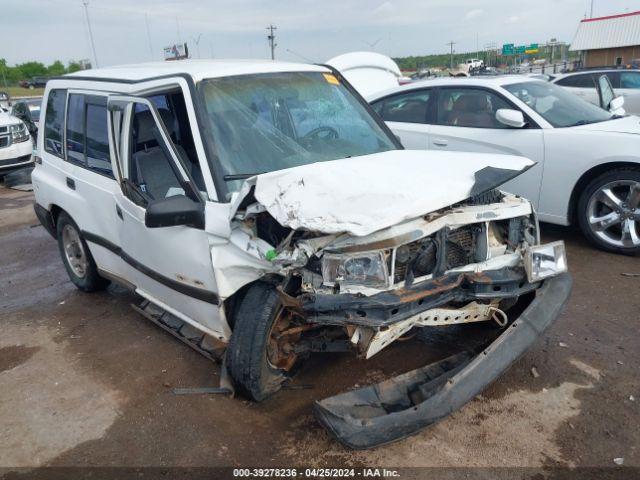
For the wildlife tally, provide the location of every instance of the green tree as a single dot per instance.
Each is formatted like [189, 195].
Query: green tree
[56, 69]
[31, 69]
[73, 67]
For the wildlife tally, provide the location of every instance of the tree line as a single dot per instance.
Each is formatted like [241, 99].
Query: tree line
[26, 71]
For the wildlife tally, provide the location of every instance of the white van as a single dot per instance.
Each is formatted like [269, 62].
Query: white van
[262, 209]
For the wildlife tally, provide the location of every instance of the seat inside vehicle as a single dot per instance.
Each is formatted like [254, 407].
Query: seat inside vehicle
[151, 169]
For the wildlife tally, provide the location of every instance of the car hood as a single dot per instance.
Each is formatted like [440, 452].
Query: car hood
[630, 124]
[365, 194]
[7, 119]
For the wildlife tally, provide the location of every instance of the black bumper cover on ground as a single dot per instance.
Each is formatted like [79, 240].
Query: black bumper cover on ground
[399, 407]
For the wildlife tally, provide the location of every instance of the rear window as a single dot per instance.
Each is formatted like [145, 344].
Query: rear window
[54, 122]
[577, 81]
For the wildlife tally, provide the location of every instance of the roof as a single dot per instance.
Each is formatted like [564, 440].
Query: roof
[197, 69]
[608, 32]
[493, 82]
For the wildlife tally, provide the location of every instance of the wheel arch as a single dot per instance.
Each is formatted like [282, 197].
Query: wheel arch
[587, 177]
[232, 302]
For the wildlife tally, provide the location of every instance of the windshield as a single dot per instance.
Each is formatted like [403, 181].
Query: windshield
[272, 121]
[556, 105]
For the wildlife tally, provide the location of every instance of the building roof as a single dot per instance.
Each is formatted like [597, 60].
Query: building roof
[197, 69]
[608, 32]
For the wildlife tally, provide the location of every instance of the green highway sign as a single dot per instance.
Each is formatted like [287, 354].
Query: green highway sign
[511, 49]
[507, 49]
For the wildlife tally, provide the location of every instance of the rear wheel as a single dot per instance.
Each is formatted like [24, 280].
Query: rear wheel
[76, 256]
[261, 351]
[609, 211]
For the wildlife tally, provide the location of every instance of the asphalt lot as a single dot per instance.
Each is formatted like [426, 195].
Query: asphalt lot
[85, 380]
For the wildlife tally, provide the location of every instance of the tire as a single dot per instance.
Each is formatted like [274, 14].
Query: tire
[87, 280]
[247, 363]
[625, 217]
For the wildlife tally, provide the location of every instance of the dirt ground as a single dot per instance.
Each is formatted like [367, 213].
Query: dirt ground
[86, 381]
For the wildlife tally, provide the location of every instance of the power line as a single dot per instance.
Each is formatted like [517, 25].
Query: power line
[93, 48]
[272, 40]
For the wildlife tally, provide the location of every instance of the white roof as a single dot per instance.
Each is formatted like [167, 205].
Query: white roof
[488, 81]
[608, 32]
[197, 69]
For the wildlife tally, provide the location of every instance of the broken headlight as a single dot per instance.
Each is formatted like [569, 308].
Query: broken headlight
[367, 269]
[544, 261]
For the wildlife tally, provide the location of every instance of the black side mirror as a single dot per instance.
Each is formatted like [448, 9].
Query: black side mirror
[173, 211]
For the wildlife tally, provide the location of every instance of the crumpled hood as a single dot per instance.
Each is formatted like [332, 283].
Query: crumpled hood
[7, 118]
[630, 124]
[365, 194]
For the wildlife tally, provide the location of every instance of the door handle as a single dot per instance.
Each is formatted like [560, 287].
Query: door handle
[71, 183]
[119, 212]
[441, 142]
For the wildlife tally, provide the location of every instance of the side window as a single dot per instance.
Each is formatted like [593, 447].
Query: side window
[75, 129]
[629, 79]
[614, 78]
[97, 139]
[378, 106]
[577, 81]
[409, 107]
[151, 169]
[467, 107]
[54, 122]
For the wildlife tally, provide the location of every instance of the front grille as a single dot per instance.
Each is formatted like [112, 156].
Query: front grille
[460, 246]
[4, 142]
[4, 130]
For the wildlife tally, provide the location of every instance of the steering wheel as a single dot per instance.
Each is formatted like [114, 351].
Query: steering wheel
[317, 133]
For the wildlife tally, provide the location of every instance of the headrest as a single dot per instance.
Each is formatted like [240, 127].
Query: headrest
[145, 124]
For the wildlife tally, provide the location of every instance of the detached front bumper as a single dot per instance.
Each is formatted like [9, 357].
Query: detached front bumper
[401, 406]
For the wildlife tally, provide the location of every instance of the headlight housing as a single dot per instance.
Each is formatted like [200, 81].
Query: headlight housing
[367, 269]
[19, 133]
[544, 261]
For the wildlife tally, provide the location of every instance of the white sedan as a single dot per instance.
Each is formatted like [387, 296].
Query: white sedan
[588, 160]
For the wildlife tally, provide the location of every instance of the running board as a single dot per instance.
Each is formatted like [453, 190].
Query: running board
[199, 341]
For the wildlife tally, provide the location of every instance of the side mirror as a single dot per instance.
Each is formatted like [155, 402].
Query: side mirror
[510, 118]
[615, 106]
[173, 211]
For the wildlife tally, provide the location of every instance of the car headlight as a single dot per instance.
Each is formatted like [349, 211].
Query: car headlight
[544, 261]
[367, 269]
[19, 133]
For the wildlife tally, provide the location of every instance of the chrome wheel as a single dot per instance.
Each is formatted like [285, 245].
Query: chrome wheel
[74, 251]
[613, 213]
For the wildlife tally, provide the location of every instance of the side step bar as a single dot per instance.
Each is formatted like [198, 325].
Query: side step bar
[202, 343]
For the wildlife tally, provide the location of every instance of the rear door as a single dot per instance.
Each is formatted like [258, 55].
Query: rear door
[407, 115]
[171, 266]
[582, 85]
[465, 121]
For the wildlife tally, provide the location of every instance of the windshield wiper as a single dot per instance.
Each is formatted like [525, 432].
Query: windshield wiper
[240, 176]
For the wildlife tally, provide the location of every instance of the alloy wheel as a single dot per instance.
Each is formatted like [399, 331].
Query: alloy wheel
[613, 213]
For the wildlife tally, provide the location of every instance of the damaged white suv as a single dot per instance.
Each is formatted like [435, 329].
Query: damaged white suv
[261, 209]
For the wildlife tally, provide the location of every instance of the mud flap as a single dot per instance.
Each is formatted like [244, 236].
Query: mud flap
[401, 406]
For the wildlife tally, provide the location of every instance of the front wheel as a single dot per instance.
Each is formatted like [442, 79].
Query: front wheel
[76, 256]
[261, 351]
[609, 211]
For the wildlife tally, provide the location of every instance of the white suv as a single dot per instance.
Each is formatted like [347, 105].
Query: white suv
[15, 144]
[263, 210]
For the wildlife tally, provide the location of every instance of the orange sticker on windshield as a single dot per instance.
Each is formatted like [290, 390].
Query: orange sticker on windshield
[331, 79]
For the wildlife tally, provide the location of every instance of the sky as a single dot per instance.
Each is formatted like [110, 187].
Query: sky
[129, 31]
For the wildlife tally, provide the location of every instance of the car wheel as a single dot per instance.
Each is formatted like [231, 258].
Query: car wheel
[260, 354]
[76, 256]
[609, 211]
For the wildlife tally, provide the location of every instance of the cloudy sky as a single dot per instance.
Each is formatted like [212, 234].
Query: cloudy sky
[316, 30]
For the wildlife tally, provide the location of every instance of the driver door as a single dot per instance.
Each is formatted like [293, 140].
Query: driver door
[168, 265]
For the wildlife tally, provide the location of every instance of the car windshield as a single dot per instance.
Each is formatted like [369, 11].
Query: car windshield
[556, 105]
[266, 122]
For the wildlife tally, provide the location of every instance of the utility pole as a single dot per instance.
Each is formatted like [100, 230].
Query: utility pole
[451, 44]
[93, 48]
[272, 40]
[591, 15]
[197, 42]
[146, 22]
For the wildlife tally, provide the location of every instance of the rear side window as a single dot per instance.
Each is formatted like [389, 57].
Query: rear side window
[87, 134]
[577, 81]
[629, 79]
[54, 122]
[409, 107]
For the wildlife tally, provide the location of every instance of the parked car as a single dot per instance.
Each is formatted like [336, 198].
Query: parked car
[35, 82]
[262, 209]
[15, 145]
[474, 63]
[588, 160]
[626, 83]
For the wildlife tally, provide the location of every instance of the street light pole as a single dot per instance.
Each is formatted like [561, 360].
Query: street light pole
[272, 41]
[93, 48]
